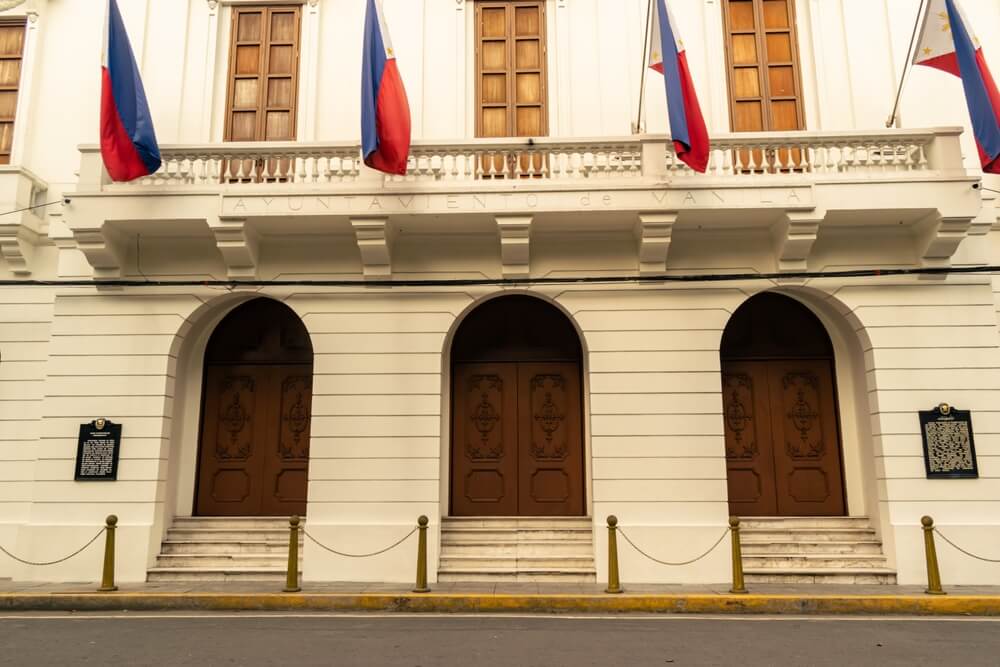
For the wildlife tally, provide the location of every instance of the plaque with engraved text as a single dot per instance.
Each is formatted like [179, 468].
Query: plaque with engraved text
[949, 448]
[97, 451]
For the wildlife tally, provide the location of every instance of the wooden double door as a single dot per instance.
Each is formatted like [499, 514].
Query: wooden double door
[517, 447]
[255, 440]
[782, 440]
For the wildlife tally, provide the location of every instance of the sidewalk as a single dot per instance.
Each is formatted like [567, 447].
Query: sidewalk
[514, 597]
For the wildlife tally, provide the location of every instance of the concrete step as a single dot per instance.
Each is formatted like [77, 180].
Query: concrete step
[518, 522]
[753, 548]
[238, 522]
[504, 575]
[525, 548]
[512, 535]
[216, 574]
[831, 576]
[483, 563]
[226, 534]
[244, 547]
[806, 535]
[813, 561]
[824, 522]
[252, 561]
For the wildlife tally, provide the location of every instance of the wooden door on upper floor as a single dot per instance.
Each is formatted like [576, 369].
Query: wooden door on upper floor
[763, 72]
[11, 52]
[263, 85]
[511, 81]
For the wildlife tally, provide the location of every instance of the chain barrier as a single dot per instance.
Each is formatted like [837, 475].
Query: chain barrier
[58, 560]
[967, 553]
[669, 563]
[369, 555]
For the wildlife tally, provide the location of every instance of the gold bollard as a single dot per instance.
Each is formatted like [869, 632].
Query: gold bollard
[734, 528]
[108, 576]
[930, 551]
[292, 578]
[421, 586]
[614, 583]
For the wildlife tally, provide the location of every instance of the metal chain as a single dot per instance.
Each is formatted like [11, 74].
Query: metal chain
[60, 560]
[666, 562]
[971, 555]
[346, 555]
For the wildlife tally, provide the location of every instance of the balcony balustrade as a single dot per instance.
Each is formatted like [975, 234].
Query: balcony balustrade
[498, 163]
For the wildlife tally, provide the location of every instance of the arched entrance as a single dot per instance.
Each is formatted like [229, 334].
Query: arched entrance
[256, 409]
[517, 428]
[783, 450]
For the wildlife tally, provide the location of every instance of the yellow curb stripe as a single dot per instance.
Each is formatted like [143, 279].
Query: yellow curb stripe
[957, 605]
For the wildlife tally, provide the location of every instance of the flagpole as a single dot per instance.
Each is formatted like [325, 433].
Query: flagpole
[645, 63]
[906, 64]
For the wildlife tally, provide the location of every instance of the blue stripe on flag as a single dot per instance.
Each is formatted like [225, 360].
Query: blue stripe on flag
[672, 78]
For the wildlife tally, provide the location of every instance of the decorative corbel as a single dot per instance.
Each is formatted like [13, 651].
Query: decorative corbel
[655, 232]
[240, 247]
[104, 247]
[940, 237]
[794, 237]
[374, 242]
[515, 244]
[17, 247]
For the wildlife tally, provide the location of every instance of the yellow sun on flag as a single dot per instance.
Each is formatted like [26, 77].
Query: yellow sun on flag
[945, 23]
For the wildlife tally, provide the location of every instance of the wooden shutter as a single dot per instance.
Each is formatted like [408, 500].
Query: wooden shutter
[263, 78]
[511, 77]
[765, 89]
[11, 52]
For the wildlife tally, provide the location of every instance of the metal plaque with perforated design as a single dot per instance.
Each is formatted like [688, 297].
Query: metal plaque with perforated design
[949, 448]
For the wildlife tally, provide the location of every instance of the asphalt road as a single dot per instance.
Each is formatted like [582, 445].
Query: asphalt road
[488, 641]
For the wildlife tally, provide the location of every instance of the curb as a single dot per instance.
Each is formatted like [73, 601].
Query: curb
[958, 605]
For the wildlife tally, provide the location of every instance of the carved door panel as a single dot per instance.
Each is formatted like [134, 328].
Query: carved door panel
[806, 439]
[749, 451]
[550, 452]
[233, 440]
[286, 466]
[484, 440]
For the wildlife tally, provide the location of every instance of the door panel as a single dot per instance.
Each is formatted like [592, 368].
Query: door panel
[550, 455]
[286, 468]
[233, 440]
[749, 450]
[783, 454]
[254, 457]
[484, 440]
[807, 445]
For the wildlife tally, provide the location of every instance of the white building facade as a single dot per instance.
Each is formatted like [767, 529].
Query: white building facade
[549, 320]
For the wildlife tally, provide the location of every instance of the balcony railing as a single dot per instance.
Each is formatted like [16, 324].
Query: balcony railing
[812, 155]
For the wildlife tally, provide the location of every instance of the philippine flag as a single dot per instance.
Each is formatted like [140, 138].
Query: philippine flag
[128, 142]
[948, 43]
[385, 112]
[667, 56]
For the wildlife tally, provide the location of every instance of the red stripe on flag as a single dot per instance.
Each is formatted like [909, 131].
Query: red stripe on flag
[695, 155]
[121, 158]
[392, 122]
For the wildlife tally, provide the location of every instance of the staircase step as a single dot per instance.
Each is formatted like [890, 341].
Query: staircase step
[518, 522]
[226, 534]
[824, 522]
[754, 548]
[581, 575]
[806, 535]
[817, 576]
[524, 548]
[539, 563]
[240, 523]
[244, 547]
[252, 561]
[814, 561]
[512, 535]
[216, 574]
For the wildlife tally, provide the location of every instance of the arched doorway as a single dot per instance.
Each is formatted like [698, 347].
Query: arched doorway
[517, 427]
[256, 409]
[783, 451]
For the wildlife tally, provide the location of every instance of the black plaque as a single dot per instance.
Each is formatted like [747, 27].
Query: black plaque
[97, 451]
[949, 449]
